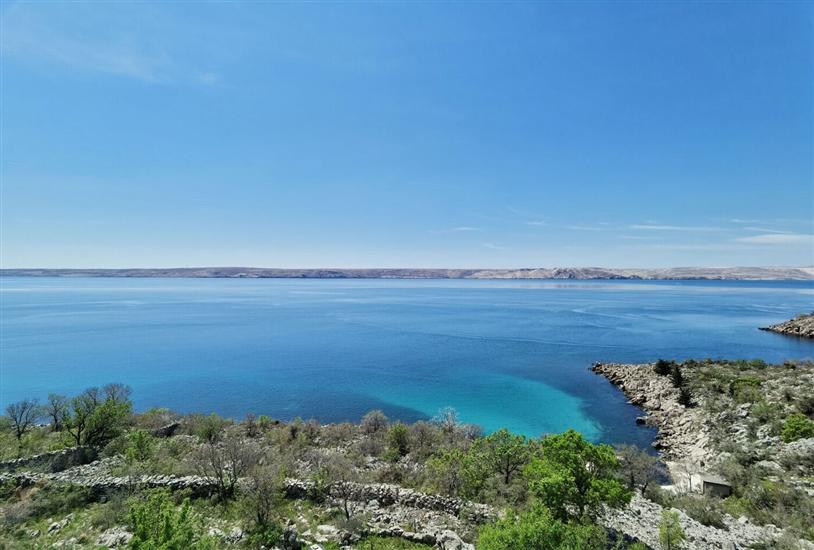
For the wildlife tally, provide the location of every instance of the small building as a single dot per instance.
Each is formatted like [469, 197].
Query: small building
[715, 486]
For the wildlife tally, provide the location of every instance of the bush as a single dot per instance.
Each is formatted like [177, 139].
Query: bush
[140, 445]
[705, 510]
[663, 367]
[456, 472]
[399, 437]
[373, 422]
[158, 524]
[797, 426]
[671, 535]
[685, 397]
[539, 530]
[267, 536]
[676, 377]
[207, 428]
[745, 389]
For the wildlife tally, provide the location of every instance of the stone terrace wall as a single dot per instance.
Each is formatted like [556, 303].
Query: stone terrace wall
[52, 461]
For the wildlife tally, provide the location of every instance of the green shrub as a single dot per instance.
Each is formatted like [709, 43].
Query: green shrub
[457, 473]
[539, 530]
[140, 445]
[671, 535]
[208, 428]
[158, 524]
[766, 412]
[745, 389]
[663, 367]
[267, 536]
[797, 426]
[399, 438]
[676, 377]
[705, 510]
[685, 396]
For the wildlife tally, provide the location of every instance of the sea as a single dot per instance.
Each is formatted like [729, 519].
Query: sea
[502, 353]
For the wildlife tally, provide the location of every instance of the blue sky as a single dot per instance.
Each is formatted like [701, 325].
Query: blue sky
[407, 135]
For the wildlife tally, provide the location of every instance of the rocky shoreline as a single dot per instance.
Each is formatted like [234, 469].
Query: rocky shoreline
[683, 433]
[801, 326]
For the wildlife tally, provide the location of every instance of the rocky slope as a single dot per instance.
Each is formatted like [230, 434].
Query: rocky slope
[735, 414]
[802, 326]
[640, 520]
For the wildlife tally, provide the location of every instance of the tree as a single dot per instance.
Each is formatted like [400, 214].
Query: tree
[97, 417]
[574, 475]
[118, 393]
[424, 436]
[671, 535]
[107, 422]
[638, 468]
[539, 530]
[336, 475]
[23, 414]
[504, 452]
[82, 407]
[447, 420]
[458, 473]
[57, 409]
[264, 491]
[226, 462]
[374, 422]
[399, 436]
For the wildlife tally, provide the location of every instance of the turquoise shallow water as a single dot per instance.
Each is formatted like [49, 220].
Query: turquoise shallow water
[503, 353]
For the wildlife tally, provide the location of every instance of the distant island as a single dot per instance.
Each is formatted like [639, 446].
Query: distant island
[574, 273]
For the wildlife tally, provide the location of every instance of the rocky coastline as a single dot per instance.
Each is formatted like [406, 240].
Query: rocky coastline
[683, 432]
[801, 326]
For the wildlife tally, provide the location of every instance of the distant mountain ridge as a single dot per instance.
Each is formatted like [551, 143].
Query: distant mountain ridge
[576, 273]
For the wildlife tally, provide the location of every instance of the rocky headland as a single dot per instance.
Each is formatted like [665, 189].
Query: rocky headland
[802, 326]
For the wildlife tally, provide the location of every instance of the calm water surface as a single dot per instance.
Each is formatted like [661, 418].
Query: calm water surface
[503, 353]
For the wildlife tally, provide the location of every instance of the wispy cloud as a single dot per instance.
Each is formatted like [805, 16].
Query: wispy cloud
[778, 239]
[464, 228]
[657, 227]
[493, 246]
[536, 223]
[765, 230]
[584, 228]
[130, 42]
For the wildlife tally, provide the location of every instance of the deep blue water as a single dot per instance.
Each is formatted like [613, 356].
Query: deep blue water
[503, 353]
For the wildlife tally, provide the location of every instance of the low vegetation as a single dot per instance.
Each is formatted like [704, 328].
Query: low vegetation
[553, 489]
